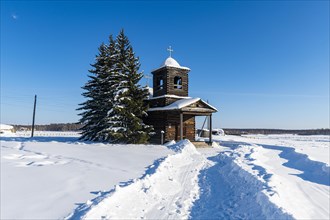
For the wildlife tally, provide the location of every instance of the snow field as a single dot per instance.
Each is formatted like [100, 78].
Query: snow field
[49, 177]
[292, 180]
[167, 193]
[252, 177]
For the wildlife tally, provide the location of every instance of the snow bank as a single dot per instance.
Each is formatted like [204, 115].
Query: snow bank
[230, 192]
[46, 177]
[166, 192]
[293, 180]
[184, 146]
[170, 143]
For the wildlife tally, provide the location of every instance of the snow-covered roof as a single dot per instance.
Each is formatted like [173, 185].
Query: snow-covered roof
[170, 96]
[180, 104]
[170, 62]
[209, 105]
[151, 92]
[5, 127]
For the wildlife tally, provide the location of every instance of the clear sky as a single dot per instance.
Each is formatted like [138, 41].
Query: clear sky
[263, 64]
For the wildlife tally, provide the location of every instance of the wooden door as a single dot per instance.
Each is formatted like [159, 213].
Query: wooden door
[177, 132]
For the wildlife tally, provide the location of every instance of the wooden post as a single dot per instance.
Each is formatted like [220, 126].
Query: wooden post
[34, 114]
[181, 126]
[162, 137]
[210, 130]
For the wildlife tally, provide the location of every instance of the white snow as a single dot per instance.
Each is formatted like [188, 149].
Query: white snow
[180, 104]
[48, 177]
[166, 192]
[151, 92]
[293, 171]
[250, 177]
[5, 127]
[171, 96]
[170, 62]
[176, 105]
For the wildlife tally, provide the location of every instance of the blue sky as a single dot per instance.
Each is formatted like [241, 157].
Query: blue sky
[263, 64]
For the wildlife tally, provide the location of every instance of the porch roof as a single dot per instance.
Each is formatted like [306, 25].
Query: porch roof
[184, 105]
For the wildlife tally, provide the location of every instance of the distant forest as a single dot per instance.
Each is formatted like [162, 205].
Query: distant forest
[238, 131]
[51, 127]
[229, 131]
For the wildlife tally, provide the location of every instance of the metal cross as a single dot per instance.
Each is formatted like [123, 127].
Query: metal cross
[147, 76]
[170, 50]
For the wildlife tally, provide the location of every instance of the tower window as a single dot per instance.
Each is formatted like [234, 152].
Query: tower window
[177, 82]
[159, 83]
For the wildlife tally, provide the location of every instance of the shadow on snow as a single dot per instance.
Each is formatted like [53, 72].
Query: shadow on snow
[313, 171]
[83, 208]
[229, 192]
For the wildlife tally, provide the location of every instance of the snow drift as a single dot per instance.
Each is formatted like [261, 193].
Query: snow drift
[167, 190]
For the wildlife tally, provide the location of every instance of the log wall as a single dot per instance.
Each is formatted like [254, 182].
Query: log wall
[170, 123]
[168, 74]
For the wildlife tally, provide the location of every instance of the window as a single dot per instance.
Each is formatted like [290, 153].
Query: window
[177, 82]
[159, 83]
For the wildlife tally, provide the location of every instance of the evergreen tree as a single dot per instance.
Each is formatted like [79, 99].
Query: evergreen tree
[129, 106]
[115, 101]
[98, 95]
[109, 86]
[92, 113]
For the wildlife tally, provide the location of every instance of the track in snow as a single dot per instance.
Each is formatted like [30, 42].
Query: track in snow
[166, 193]
[229, 192]
[242, 181]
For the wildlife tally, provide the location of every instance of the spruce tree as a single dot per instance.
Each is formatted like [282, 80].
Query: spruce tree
[98, 94]
[92, 113]
[115, 103]
[109, 87]
[129, 106]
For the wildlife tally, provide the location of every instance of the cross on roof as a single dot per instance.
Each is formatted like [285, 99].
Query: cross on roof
[170, 50]
[147, 76]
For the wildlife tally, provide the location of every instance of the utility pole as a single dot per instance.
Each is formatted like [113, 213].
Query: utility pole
[34, 114]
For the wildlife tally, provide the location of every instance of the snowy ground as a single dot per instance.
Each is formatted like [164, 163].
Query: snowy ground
[49, 177]
[251, 177]
[266, 177]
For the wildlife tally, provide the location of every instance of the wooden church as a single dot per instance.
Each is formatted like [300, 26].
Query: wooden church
[171, 111]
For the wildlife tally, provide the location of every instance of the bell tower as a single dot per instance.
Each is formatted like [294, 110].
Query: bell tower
[170, 78]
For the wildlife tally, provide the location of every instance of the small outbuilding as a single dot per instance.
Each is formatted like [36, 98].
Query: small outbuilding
[6, 129]
[171, 111]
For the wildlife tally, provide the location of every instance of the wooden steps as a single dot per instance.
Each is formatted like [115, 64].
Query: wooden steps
[201, 144]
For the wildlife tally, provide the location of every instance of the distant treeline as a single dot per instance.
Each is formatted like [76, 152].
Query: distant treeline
[51, 127]
[231, 131]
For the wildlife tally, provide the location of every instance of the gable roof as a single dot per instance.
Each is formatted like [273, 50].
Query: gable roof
[181, 104]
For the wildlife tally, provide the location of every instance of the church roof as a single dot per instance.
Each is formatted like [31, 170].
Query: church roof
[170, 62]
[181, 104]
